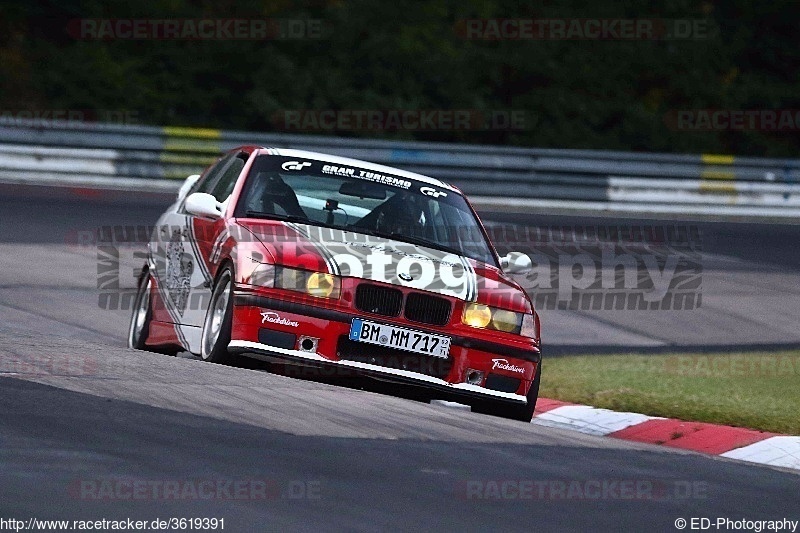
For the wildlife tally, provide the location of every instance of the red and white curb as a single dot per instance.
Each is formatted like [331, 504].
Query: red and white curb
[735, 443]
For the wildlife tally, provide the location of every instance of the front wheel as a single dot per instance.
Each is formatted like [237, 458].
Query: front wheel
[515, 412]
[217, 324]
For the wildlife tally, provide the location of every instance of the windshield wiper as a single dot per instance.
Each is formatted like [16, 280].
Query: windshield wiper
[293, 218]
[276, 216]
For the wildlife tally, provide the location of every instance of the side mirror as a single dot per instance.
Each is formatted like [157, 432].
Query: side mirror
[203, 204]
[188, 183]
[516, 263]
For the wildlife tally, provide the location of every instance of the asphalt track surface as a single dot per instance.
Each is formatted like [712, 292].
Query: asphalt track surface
[82, 414]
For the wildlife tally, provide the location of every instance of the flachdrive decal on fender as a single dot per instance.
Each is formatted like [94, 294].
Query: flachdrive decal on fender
[274, 318]
[503, 364]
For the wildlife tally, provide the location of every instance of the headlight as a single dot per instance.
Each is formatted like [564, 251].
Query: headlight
[482, 316]
[477, 315]
[263, 275]
[503, 320]
[319, 284]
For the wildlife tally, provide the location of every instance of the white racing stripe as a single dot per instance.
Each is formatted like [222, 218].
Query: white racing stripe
[471, 281]
[302, 229]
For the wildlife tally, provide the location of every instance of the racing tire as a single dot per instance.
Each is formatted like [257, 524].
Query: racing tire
[142, 316]
[217, 324]
[523, 413]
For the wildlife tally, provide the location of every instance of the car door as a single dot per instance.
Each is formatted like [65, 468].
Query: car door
[175, 259]
[203, 235]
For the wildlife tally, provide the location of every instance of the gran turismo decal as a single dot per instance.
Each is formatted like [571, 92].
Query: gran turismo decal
[503, 364]
[366, 175]
[338, 171]
[274, 318]
[430, 191]
[295, 165]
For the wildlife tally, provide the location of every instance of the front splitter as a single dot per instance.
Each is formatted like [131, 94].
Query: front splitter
[264, 351]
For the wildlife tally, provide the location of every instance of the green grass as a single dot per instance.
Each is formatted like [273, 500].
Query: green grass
[753, 390]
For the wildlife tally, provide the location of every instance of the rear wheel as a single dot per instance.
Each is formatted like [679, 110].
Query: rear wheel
[217, 324]
[139, 327]
[514, 412]
[141, 317]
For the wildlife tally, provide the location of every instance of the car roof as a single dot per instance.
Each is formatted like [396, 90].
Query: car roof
[366, 165]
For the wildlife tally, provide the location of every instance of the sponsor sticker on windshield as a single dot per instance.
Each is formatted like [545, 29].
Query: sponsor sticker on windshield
[367, 175]
[295, 165]
[430, 191]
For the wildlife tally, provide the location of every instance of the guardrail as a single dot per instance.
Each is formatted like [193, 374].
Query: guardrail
[500, 177]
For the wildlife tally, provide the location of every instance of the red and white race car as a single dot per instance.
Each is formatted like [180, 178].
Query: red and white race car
[318, 260]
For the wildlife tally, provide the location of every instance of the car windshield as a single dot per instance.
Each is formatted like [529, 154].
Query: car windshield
[361, 200]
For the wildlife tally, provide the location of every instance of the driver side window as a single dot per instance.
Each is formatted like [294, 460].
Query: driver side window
[221, 178]
[206, 183]
[227, 180]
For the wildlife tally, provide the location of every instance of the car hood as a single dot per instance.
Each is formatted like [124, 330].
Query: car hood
[386, 260]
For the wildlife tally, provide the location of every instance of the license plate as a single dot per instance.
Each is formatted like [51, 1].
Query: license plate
[400, 338]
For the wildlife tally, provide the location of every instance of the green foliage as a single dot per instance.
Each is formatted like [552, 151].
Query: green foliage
[756, 390]
[397, 55]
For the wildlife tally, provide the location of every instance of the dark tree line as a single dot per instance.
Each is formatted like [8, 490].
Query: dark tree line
[390, 56]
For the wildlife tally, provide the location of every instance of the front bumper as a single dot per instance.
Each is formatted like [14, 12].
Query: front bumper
[401, 376]
[279, 338]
